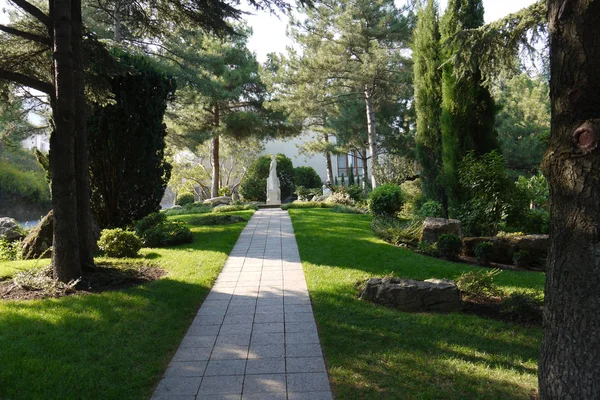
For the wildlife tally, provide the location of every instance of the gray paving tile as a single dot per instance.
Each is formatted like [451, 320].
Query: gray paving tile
[242, 302]
[207, 320]
[308, 382]
[305, 364]
[235, 319]
[229, 352]
[298, 308]
[270, 317]
[180, 386]
[225, 367]
[301, 337]
[171, 397]
[323, 395]
[215, 303]
[219, 396]
[268, 327]
[266, 366]
[263, 309]
[203, 330]
[198, 341]
[221, 385]
[264, 383]
[236, 329]
[264, 396]
[303, 350]
[185, 369]
[241, 339]
[213, 296]
[266, 351]
[192, 354]
[212, 311]
[298, 317]
[266, 338]
[237, 310]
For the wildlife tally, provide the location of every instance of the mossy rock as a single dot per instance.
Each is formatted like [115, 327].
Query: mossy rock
[216, 220]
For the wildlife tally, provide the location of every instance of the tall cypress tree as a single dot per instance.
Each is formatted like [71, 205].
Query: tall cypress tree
[428, 99]
[467, 107]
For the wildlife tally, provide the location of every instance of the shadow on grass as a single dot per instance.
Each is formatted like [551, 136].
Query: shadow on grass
[110, 346]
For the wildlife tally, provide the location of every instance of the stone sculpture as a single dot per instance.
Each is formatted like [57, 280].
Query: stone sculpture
[273, 188]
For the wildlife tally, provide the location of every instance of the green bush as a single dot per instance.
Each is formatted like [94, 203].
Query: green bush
[479, 285]
[307, 177]
[428, 249]
[396, 231]
[156, 231]
[386, 200]
[119, 243]
[522, 258]
[347, 210]
[523, 305]
[533, 222]
[185, 198]
[449, 246]
[30, 186]
[431, 208]
[254, 185]
[341, 197]
[355, 192]
[10, 251]
[484, 251]
[235, 207]
[194, 208]
[412, 196]
[307, 204]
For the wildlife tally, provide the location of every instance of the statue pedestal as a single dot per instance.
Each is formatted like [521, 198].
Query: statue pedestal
[273, 198]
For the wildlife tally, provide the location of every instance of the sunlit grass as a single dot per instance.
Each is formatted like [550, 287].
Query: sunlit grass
[375, 352]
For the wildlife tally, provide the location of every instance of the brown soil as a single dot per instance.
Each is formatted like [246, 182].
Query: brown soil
[491, 308]
[104, 278]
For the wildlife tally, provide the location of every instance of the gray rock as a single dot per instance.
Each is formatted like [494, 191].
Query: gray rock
[434, 227]
[10, 229]
[412, 295]
[39, 240]
[506, 246]
[218, 201]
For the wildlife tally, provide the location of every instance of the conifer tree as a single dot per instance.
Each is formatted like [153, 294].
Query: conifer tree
[467, 121]
[428, 99]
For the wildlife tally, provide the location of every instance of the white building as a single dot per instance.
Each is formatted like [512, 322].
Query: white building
[39, 141]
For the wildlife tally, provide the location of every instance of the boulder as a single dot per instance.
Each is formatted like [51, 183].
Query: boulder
[218, 201]
[39, 240]
[412, 295]
[10, 229]
[434, 227]
[506, 246]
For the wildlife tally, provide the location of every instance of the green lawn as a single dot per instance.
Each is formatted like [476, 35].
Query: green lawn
[113, 345]
[374, 352]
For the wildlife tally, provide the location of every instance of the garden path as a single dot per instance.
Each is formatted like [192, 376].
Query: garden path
[255, 335]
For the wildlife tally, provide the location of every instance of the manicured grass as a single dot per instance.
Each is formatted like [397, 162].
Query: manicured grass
[113, 345]
[374, 352]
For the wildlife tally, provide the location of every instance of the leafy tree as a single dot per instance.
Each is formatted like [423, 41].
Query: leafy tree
[254, 184]
[307, 177]
[127, 140]
[467, 107]
[428, 100]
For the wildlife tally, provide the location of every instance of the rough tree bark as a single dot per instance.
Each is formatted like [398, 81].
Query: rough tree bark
[65, 255]
[371, 133]
[570, 361]
[214, 159]
[328, 161]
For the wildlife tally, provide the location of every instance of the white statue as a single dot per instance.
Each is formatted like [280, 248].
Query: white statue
[326, 191]
[273, 189]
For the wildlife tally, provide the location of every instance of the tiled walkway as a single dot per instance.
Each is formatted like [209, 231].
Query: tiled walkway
[255, 335]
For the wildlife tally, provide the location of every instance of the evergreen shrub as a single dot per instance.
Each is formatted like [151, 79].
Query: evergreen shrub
[119, 243]
[254, 185]
[185, 198]
[307, 177]
[484, 251]
[156, 231]
[479, 285]
[386, 200]
[431, 208]
[449, 246]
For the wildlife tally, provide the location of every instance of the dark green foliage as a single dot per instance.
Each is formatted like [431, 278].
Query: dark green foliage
[209, 220]
[479, 285]
[484, 251]
[386, 200]
[396, 231]
[428, 99]
[156, 231]
[185, 198]
[307, 204]
[355, 192]
[127, 140]
[307, 177]
[342, 182]
[347, 209]
[523, 305]
[10, 251]
[21, 177]
[522, 258]
[119, 243]
[494, 197]
[254, 185]
[449, 246]
[194, 208]
[351, 176]
[431, 208]
[428, 249]
[468, 109]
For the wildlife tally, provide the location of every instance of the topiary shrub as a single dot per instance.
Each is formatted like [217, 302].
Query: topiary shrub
[119, 243]
[484, 251]
[449, 246]
[156, 231]
[254, 185]
[479, 285]
[431, 208]
[307, 177]
[185, 198]
[386, 200]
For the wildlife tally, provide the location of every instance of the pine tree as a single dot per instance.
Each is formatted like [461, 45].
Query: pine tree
[428, 99]
[468, 109]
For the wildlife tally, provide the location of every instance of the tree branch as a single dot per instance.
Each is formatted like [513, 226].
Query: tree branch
[33, 11]
[26, 35]
[27, 81]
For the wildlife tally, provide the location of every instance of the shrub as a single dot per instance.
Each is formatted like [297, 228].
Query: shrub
[254, 185]
[431, 208]
[347, 210]
[156, 231]
[10, 251]
[307, 204]
[484, 252]
[412, 196]
[30, 186]
[428, 249]
[396, 231]
[355, 192]
[523, 305]
[236, 207]
[206, 220]
[149, 221]
[522, 258]
[307, 177]
[195, 208]
[340, 198]
[449, 246]
[185, 198]
[386, 200]
[533, 221]
[479, 285]
[119, 243]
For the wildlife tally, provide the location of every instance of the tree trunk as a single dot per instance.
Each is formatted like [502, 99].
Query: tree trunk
[117, 22]
[328, 161]
[372, 134]
[87, 241]
[570, 360]
[214, 157]
[65, 255]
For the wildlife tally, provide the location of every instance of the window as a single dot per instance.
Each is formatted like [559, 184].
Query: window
[347, 161]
